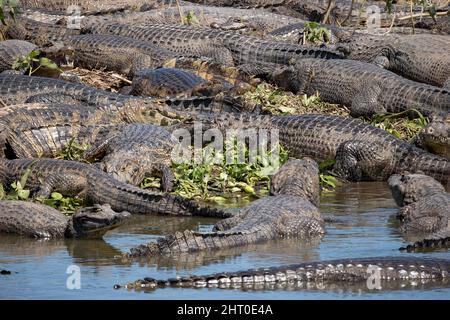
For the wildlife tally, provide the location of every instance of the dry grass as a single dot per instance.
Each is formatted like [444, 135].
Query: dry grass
[110, 81]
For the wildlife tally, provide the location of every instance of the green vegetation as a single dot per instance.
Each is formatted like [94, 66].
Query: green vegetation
[61, 203]
[399, 125]
[227, 183]
[73, 151]
[191, 18]
[326, 179]
[314, 33]
[32, 62]
[278, 102]
[8, 8]
[19, 192]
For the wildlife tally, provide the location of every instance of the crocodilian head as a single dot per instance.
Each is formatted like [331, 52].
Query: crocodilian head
[94, 222]
[408, 188]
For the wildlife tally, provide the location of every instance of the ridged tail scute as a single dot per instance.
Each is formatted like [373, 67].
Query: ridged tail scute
[437, 240]
[435, 166]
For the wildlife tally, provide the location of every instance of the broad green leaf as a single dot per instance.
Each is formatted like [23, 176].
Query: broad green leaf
[56, 196]
[23, 194]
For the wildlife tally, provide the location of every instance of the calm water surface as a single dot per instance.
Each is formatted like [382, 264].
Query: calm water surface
[365, 226]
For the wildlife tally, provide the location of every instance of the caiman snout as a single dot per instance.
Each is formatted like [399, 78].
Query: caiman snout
[95, 221]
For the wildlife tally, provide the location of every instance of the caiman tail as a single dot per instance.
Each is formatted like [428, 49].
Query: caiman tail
[392, 272]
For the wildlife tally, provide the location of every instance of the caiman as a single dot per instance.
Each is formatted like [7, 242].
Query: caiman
[86, 7]
[132, 152]
[124, 55]
[77, 179]
[425, 209]
[291, 212]
[43, 130]
[41, 221]
[129, 152]
[435, 137]
[365, 88]
[224, 47]
[244, 20]
[419, 57]
[342, 12]
[392, 272]
[361, 151]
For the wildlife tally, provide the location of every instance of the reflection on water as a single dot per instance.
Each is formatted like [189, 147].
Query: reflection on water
[362, 224]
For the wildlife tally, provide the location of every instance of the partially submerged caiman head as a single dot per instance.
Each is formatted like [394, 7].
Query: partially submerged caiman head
[435, 137]
[94, 222]
[409, 188]
[298, 178]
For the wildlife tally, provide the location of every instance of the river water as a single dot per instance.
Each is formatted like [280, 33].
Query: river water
[364, 226]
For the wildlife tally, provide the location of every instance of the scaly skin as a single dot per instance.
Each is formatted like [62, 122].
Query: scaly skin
[128, 152]
[435, 137]
[40, 221]
[135, 152]
[425, 208]
[10, 50]
[39, 33]
[365, 88]
[441, 26]
[174, 82]
[39, 130]
[125, 55]
[207, 16]
[291, 212]
[393, 272]
[78, 179]
[153, 83]
[225, 47]
[17, 89]
[293, 33]
[361, 151]
[87, 7]
[343, 12]
[115, 53]
[419, 57]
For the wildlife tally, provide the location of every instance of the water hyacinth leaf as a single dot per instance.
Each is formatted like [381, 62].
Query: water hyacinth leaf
[56, 196]
[2, 192]
[47, 63]
[23, 194]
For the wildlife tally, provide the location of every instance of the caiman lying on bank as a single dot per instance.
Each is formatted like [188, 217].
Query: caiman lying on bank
[94, 186]
[228, 48]
[291, 212]
[11, 50]
[40, 221]
[17, 89]
[361, 151]
[435, 137]
[129, 152]
[365, 88]
[425, 209]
